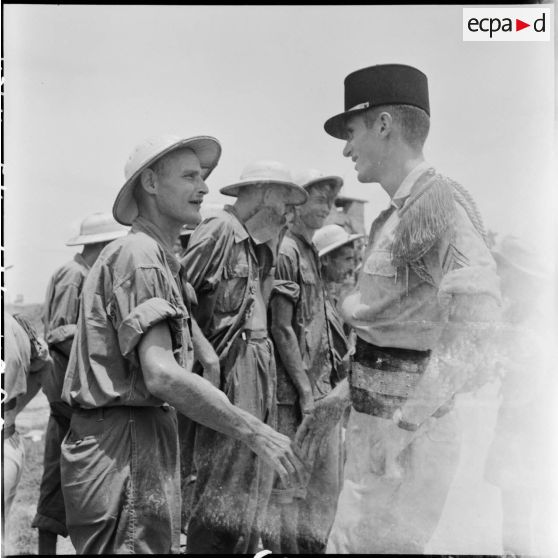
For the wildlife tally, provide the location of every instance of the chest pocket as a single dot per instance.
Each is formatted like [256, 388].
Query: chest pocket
[379, 263]
[383, 290]
[232, 288]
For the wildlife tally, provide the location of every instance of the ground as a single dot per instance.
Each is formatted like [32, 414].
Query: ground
[20, 537]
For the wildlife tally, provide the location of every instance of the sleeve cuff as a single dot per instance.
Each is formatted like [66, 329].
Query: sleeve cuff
[288, 289]
[143, 317]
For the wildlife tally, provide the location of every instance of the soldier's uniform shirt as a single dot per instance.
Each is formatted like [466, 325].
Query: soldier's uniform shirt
[60, 318]
[120, 463]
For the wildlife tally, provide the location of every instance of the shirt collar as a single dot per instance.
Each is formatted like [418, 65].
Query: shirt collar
[240, 232]
[141, 224]
[404, 189]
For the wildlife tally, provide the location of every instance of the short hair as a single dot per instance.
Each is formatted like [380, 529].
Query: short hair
[414, 122]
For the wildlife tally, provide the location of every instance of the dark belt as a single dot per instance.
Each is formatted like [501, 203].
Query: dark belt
[382, 378]
[9, 431]
[99, 412]
[253, 334]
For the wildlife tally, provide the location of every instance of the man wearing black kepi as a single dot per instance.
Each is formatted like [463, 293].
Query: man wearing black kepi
[425, 301]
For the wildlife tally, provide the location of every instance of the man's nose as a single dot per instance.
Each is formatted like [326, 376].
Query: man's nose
[203, 187]
[347, 150]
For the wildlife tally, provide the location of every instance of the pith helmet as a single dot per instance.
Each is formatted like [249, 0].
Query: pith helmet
[267, 172]
[383, 84]
[206, 148]
[329, 238]
[98, 227]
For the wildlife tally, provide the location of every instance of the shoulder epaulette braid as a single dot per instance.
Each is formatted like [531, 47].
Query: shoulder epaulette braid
[428, 214]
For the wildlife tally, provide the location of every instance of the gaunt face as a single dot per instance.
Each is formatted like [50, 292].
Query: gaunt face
[180, 187]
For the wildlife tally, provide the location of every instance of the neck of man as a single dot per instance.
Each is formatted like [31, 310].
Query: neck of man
[91, 252]
[168, 228]
[402, 162]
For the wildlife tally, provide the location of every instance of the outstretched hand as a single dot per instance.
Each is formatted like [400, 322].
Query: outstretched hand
[280, 453]
[315, 427]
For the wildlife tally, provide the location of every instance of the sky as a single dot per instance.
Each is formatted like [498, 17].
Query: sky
[85, 84]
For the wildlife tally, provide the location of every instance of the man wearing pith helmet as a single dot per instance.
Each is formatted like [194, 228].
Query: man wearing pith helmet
[131, 365]
[302, 516]
[60, 318]
[424, 302]
[230, 262]
[337, 257]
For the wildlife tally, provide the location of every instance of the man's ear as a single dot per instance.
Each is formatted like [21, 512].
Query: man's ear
[148, 181]
[385, 123]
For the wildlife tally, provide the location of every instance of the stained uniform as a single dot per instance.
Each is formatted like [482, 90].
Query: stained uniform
[232, 275]
[120, 462]
[426, 248]
[60, 318]
[298, 279]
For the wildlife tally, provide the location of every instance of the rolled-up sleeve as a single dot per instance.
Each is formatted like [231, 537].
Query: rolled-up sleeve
[63, 307]
[143, 317]
[285, 283]
[142, 300]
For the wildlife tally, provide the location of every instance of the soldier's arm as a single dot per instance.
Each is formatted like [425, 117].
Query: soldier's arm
[469, 294]
[196, 398]
[282, 310]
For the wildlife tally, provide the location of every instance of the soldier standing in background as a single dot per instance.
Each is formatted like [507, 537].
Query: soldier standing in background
[60, 318]
[301, 517]
[27, 363]
[336, 249]
[230, 262]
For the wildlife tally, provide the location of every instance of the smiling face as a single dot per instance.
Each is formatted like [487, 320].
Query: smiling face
[316, 209]
[180, 187]
[365, 146]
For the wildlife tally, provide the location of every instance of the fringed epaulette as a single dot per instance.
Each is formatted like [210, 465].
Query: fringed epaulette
[428, 214]
[424, 218]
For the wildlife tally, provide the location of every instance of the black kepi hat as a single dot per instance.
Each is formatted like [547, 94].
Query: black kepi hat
[383, 84]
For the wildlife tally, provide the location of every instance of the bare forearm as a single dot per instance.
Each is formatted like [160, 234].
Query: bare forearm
[203, 349]
[287, 347]
[196, 398]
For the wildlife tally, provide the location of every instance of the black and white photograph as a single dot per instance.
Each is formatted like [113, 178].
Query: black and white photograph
[279, 279]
